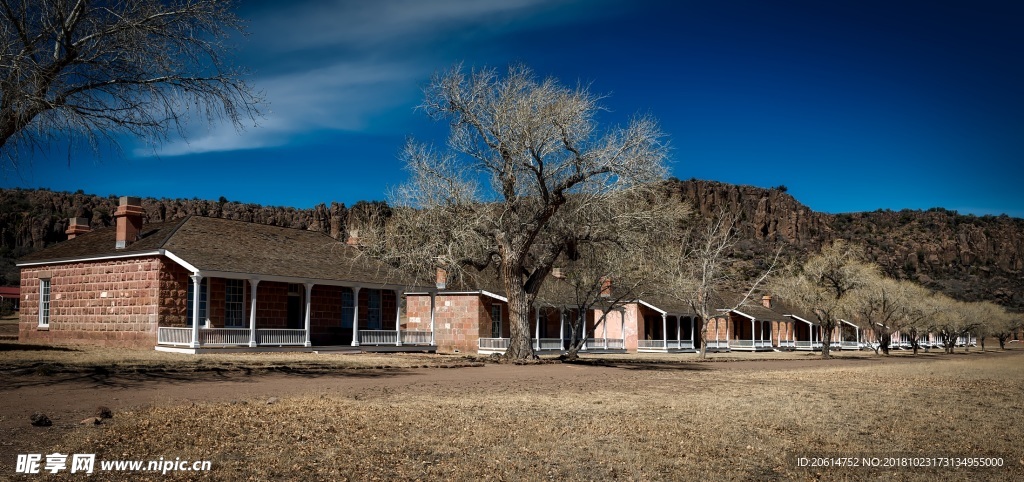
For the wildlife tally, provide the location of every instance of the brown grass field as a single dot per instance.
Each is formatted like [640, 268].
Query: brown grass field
[613, 418]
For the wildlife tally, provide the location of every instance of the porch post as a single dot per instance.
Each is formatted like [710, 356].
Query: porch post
[197, 281]
[622, 326]
[561, 328]
[664, 329]
[604, 331]
[693, 333]
[398, 317]
[309, 304]
[252, 313]
[433, 296]
[536, 335]
[355, 315]
[753, 334]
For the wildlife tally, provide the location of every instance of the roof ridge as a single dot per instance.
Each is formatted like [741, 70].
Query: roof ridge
[173, 231]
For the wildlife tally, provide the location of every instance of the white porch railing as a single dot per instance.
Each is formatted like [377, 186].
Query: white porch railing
[750, 344]
[718, 344]
[786, 344]
[604, 344]
[223, 336]
[378, 337]
[850, 345]
[492, 345]
[415, 337]
[680, 344]
[650, 345]
[807, 345]
[280, 336]
[166, 335]
[547, 344]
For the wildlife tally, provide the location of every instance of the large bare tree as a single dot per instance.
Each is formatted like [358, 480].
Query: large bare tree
[825, 283]
[522, 182]
[879, 307]
[698, 269]
[91, 70]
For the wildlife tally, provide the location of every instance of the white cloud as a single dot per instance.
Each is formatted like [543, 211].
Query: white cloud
[338, 65]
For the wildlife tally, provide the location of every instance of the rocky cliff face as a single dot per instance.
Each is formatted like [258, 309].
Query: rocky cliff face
[968, 257]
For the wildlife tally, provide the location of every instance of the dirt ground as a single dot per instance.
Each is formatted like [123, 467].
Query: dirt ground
[68, 398]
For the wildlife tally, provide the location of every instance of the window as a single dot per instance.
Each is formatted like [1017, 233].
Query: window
[495, 321]
[44, 302]
[234, 303]
[373, 310]
[203, 285]
[347, 308]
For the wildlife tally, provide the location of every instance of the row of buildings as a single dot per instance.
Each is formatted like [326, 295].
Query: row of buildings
[202, 284]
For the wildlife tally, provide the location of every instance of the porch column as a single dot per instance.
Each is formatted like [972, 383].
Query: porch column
[604, 331]
[561, 328]
[536, 334]
[252, 313]
[309, 304]
[398, 317]
[664, 329]
[433, 296]
[693, 333]
[197, 281]
[355, 315]
[753, 334]
[622, 327]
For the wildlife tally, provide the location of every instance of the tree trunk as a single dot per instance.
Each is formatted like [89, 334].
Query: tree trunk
[826, 342]
[1002, 344]
[520, 315]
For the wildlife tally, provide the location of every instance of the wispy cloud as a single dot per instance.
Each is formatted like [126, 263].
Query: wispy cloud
[336, 66]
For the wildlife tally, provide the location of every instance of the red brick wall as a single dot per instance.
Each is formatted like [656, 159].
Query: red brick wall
[113, 303]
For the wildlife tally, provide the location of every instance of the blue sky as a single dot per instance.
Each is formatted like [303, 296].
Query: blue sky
[853, 105]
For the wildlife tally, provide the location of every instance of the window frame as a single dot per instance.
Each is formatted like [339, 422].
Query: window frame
[45, 302]
[496, 320]
[234, 303]
[204, 300]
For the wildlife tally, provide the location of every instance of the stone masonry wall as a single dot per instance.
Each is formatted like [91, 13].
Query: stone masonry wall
[111, 303]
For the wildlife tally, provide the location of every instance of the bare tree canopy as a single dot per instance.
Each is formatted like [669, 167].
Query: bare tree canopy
[527, 177]
[87, 71]
[825, 285]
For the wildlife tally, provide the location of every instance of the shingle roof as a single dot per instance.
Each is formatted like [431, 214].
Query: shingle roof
[221, 245]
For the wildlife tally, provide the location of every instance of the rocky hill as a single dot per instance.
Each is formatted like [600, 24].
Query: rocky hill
[968, 257]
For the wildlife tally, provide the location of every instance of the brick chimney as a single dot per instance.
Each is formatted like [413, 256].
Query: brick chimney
[77, 226]
[606, 287]
[442, 278]
[129, 221]
[766, 300]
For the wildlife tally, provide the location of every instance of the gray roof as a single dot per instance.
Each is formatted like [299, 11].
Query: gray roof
[227, 246]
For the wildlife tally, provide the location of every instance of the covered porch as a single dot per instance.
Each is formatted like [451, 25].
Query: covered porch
[849, 336]
[667, 332]
[553, 334]
[806, 334]
[749, 333]
[273, 313]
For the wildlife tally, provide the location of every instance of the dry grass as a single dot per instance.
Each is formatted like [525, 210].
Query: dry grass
[606, 423]
[17, 358]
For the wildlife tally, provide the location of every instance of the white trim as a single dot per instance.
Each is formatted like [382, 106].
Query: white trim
[801, 319]
[176, 259]
[140, 254]
[742, 313]
[459, 293]
[49, 303]
[655, 308]
[495, 296]
[848, 323]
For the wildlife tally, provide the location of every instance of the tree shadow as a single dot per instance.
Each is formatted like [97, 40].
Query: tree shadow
[27, 347]
[645, 365]
[141, 377]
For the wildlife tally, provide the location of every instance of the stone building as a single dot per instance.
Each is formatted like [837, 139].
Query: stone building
[196, 283]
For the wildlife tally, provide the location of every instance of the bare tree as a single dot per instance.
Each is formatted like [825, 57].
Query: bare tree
[918, 310]
[523, 181]
[953, 320]
[699, 269]
[1005, 326]
[878, 307]
[91, 70]
[603, 276]
[825, 283]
